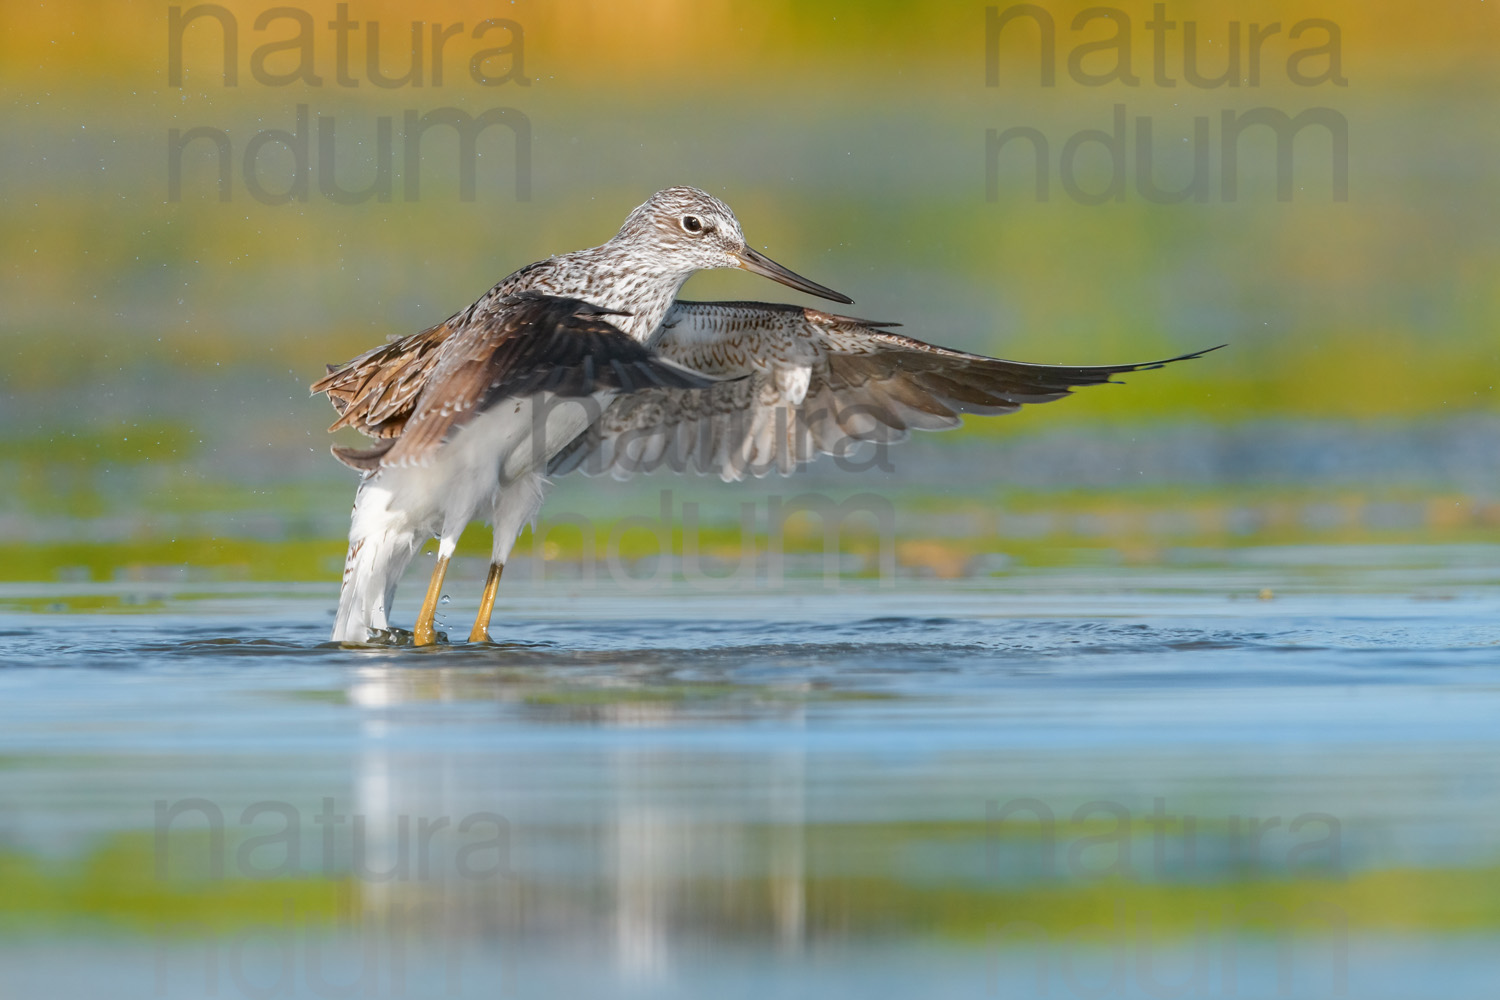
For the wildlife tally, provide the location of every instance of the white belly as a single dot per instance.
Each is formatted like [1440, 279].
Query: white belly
[507, 443]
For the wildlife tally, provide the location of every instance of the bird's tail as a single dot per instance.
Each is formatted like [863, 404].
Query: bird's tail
[378, 555]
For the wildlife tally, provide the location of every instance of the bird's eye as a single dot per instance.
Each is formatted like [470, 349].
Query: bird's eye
[691, 223]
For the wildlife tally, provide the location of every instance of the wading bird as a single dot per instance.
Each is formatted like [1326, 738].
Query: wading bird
[470, 412]
[588, 361]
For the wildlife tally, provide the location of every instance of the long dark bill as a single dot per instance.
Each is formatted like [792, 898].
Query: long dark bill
[759, 263]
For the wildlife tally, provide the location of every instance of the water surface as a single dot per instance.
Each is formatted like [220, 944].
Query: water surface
[1271, 771]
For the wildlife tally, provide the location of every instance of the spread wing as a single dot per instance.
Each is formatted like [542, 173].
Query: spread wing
[529, 344]
[806, 383]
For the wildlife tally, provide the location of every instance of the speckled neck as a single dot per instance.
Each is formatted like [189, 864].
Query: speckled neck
[608, 276]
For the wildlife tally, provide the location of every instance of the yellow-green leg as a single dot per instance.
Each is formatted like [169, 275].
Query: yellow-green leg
[425, 634]
[481, 630]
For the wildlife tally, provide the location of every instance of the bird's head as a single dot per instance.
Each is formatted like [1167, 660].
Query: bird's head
[685, 229]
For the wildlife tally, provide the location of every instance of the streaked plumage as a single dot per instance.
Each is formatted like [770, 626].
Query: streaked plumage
[529, 344]
[475, 439]
[468, 412]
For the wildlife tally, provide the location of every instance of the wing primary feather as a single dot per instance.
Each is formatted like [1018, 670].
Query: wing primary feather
[859, 383]
[729, 388]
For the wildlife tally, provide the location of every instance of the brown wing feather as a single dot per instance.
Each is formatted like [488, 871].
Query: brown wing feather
[376, 392]
[363, 459]
[530, 344]
[813, 382]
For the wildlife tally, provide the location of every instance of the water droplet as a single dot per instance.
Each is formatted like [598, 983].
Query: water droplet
[444, 600]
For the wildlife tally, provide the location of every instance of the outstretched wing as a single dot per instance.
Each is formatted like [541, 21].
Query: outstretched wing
[809, 383]
[529, 344]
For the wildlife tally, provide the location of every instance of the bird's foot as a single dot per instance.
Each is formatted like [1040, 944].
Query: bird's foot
[387, 637]
[391, 636]
[394, 636]
[427, 637]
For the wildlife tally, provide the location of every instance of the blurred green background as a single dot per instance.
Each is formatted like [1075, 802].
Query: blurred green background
[158, 350]
[160, 448]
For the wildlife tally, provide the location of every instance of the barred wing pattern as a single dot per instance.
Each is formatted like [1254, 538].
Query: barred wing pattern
[530, 344]
[806, 382]
[375, 393]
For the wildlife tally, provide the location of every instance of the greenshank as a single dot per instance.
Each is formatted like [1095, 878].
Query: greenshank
[724, 388]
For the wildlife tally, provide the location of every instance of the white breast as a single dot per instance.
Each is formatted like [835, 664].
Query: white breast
[506, 443]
